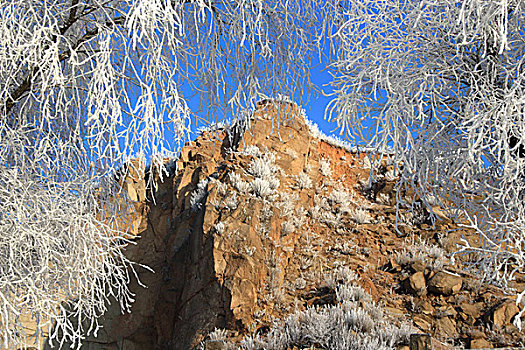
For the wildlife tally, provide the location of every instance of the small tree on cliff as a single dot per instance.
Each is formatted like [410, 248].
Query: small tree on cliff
[87, 83]
[444, 83]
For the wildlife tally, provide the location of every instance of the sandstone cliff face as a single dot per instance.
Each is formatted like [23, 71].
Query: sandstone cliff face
[253, 227]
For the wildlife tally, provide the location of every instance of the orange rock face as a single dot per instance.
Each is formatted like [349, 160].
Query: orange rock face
[254, 225]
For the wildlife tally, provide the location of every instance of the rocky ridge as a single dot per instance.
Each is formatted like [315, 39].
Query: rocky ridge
[256, 233]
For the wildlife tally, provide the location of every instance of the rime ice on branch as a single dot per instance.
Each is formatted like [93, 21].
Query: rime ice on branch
[444, 83]
[84, 86]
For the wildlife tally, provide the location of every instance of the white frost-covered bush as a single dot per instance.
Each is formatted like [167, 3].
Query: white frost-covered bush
[231, 202]
[340, 196]
[341, 201]
[287, 203]
[239, 184]
[429, 254]
[274, 182]
[341, 275]
[261, 187]
[287, 227]
[330, 219]
[264, 171]
[361, 216]
[218, 334]
[352, 292]
[251, 150]
[263, 167]
[219, 227]
[353, 323]
[198, 195]
[302, 181]
[324, 167]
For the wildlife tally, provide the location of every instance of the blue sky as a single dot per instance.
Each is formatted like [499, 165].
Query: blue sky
[315, 109]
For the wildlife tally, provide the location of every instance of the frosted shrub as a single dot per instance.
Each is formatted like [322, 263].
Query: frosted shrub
[300, 217]
[340, 196]
[231, 202]
[261, 188]
[218, 334]
[242, 186]
[274, 182]
[342, 275]
[234, 178]
[330, 219]
[315, 212]
[264, 171]
[287, 203]
[352, 292]
[347, 325]
[222, 188]
[324, 167]
[287, 227]
[429, 254]
[251, 150]
[219, 228]
[302, 181]
[322, 202]
[345, 209]
[198, 195]
[361, 216]
[263, 167]
[360, 320]
[383, 198]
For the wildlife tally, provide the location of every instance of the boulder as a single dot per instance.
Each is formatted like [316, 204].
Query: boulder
[420, 342]
[479, 344]
[445, 283]
[418, 266]
[473, 310]
[445, 328]
[424, 322]
[503, 313]
[416, 283]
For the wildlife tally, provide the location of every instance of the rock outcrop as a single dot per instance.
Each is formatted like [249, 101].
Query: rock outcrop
[250, 227]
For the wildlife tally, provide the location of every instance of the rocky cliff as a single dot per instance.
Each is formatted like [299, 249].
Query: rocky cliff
[275, 232]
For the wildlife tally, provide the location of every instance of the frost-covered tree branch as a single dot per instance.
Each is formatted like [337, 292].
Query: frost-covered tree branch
[87, 84]
[443, 83]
